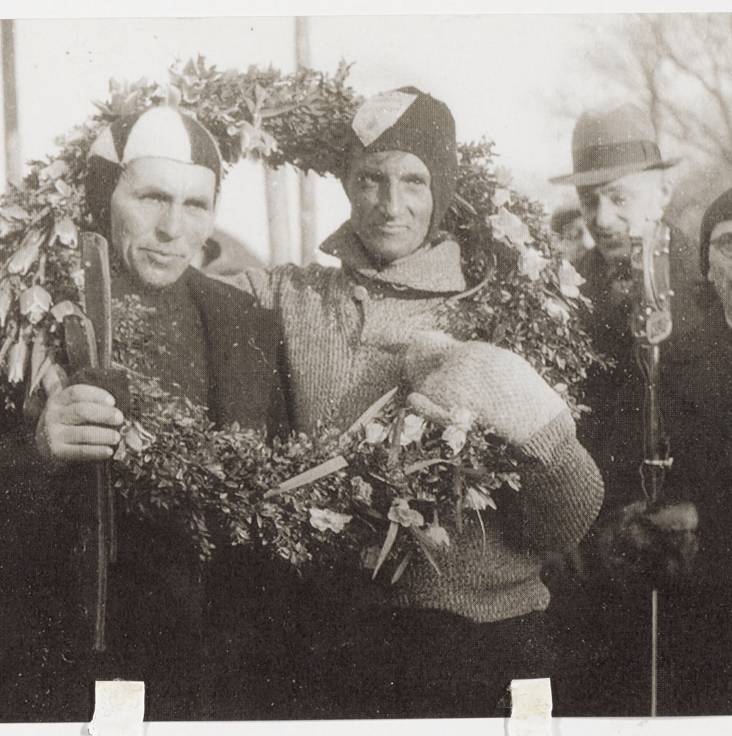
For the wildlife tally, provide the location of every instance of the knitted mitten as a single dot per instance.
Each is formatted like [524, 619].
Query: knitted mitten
[498, 387]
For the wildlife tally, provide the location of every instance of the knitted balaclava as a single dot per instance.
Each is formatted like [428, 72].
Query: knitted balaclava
[410, 120]
[159, 132]
[718, 211]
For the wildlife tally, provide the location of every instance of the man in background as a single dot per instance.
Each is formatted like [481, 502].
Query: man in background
[624, 188]
[574, 237]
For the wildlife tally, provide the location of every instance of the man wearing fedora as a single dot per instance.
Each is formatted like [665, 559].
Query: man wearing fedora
[623, 185]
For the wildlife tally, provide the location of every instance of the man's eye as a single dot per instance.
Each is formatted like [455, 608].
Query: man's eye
[152, 197]
[723, 245]
[416, 181]
[589, 202]
[618, 199]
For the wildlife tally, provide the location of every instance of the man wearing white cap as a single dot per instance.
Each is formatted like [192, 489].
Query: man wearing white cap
[151, 189]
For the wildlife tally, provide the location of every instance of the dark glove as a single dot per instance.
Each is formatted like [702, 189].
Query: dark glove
[650, 546]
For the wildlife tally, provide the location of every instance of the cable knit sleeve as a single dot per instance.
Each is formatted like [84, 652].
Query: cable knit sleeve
[562, 489]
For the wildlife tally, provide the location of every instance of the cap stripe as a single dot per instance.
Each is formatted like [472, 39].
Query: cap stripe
[204, 150]
[379, 113]
[159, 133]
[104, 146]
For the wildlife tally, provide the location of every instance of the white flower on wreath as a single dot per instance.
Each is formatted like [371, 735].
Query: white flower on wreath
[569, 280]
[412, 429]
[532, 263]
[375, 433]
[17, 359]
[456, 433]
[6, 301]
[362, 490]
[401, 513]
[324, 519]
[437, 535]
[66, 232]
[34, 303]
[510, 229]
[500, 197]
[77, 276]
[556, 310]
[479, 499]
[26, 255]
[255, 139]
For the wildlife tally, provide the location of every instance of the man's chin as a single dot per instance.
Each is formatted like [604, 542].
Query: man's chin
[386, 250]
[157, 278]
[614, 248]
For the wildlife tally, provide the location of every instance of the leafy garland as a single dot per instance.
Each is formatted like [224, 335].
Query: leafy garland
[396, 472]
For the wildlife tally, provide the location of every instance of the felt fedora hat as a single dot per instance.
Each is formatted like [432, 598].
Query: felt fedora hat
[611, 143]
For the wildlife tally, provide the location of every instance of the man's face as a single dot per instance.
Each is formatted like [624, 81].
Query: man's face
[575, 240]
[162, 212]
[391, 203]
[621, 208]
[720, 265]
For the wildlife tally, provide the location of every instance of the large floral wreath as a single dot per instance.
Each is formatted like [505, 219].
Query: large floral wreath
[380, 490]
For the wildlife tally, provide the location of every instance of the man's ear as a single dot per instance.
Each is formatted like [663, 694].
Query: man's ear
[666, 187]
[346, 183]
[214, 216]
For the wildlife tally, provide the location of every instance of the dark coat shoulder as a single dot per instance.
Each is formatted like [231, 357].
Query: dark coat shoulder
[244, 352]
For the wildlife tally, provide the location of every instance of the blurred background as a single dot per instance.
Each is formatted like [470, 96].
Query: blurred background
[520, 80]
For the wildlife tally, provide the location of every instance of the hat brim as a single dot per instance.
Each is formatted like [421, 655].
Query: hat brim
[595, 177]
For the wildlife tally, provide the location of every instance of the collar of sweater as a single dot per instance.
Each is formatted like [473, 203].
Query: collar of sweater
[434, 268]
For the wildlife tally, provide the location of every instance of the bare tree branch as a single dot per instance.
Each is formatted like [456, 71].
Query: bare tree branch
[680, 68]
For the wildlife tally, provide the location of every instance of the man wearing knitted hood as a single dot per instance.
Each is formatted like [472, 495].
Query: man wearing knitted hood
[430, 645]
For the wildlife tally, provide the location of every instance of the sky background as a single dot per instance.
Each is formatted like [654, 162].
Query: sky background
[503, 76]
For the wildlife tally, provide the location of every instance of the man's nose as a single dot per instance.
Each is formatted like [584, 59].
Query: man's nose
[392, 200]
[170, 223]
[605, 214]
[586, 238]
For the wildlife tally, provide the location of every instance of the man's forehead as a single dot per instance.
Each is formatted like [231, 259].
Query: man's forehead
[635, 182]
[388, 161]
[168, 173]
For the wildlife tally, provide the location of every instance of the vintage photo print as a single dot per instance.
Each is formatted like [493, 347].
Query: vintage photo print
[357, 366]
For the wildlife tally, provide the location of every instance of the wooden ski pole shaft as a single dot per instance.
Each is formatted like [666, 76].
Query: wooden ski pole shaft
[98, 305]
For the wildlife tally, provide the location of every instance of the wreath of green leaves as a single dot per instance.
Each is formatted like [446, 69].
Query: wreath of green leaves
[227, 485]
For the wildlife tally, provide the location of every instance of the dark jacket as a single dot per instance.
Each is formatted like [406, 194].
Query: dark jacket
[242, 355]
[613, 432]
[696, 403]
[159, 597]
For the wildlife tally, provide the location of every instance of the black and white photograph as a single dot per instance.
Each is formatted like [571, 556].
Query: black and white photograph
[356, 367]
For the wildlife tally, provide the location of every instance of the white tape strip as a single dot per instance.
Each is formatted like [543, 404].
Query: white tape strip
[531, 708]
[119, 708]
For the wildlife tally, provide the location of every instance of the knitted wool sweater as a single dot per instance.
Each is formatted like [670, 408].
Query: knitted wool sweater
[345, 336]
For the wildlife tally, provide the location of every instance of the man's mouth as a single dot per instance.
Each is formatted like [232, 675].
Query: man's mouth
[161, 256]
[390, 228]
